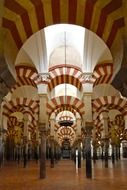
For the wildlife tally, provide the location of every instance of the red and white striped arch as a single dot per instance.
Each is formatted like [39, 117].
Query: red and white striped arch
[26, 72]
[70, 101]
[12, 121]
[18, 104]
[98, 122]
[66, 132]
[26, 75]
[61, 74]
[119, 120]
[60, 109]
[32, 116]
[39, 14]
[109, 102]
[102, 74]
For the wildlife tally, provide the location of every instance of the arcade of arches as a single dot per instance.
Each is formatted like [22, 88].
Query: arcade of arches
[63, 82]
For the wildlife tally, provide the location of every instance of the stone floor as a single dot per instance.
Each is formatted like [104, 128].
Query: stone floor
[64, 177]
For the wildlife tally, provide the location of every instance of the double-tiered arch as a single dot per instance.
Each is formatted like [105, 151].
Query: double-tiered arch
[65, 102]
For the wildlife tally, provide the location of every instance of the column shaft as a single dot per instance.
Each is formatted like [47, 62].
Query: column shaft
[43, 157]
[88, 152]
[79, 154]
[52, 153]
[106, 152]
[104, 117]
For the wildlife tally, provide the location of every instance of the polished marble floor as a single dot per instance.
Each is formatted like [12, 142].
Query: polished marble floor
[64, 176]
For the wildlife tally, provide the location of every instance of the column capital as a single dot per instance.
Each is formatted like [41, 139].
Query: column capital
[105, 138]
[88, 128]
[43, 124]
[52, 138]
[43, 95]
[79, 138]
[25, 140]
[89, 125]
[42, 129]
[125, 119]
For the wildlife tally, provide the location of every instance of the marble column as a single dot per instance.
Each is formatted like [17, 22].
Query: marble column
[117, 152]
[125, 119]
[106, 151]
[42, 128]
[37, 145]
[78, 133]
[102, 150]
[56, 152]
[1, 136]
[47, 149]
[1, 149]
[43, 120]
[113, 153]
[94, 151]
[52, 135]
[79, 152]
[88, 128]
[94, 143]
[25, 140]
[104, 118]
[52, 151]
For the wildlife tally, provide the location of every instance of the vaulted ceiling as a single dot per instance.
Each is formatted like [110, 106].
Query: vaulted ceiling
[106, 18]
[23, 18]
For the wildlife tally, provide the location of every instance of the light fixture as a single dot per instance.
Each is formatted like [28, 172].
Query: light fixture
[65, 120]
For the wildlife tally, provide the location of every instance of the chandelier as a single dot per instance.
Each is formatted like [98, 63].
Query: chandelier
[65, 120]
